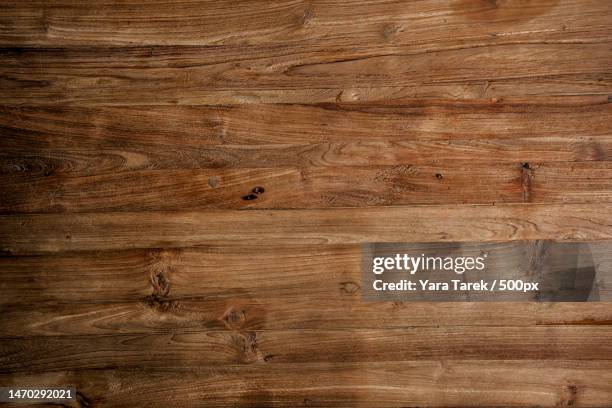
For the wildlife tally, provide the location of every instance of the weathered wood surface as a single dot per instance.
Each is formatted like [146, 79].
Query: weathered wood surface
[450, 383]
[191, 158]
[241, 288]
[463, 223]
[132, 267]
[255, 273]
[299, 188]
[380, 23]
[195, 74]
[514, 127]
[217, 348]
[153, 314]
[301, 51]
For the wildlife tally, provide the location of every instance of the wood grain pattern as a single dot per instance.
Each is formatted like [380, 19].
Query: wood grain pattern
[104, 231]
[138, 264]
[104, 164]
[112, 22]
[186, 75]
[314, 287]
[154, 314]
[213, 348]
[299, 188]
[418, 55]
[455, 383]
[180, 130]
[320, 272]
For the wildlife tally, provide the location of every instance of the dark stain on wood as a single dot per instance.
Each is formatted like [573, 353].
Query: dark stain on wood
[249, 197]
[526, 182]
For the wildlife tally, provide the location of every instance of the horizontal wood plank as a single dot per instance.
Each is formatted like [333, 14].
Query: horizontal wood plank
[311, 187]
[185, 190]
[255, 273]
[308, 287]
[462, 223]
[162, 132]
[493, 90]
[112, 22]
[164, 315]
[79, 159]
[42, 164]
[188, 75]
[20, 158]
[212, 348]
[458, 384]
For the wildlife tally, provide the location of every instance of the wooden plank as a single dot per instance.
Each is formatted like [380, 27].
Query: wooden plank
[311, 187]
[310, 287]
[39, 142]
[253, 273]
[315, 272]
[494, 90]
[165, 131]
[172, 190]
[461, 223]
[581, 182]
[188, 75]
[212, 348]
[164, 315]
[20, 158]
[41, 152]
[423, 383]
[68, 22]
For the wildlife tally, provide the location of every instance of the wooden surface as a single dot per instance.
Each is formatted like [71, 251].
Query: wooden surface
[185, 186]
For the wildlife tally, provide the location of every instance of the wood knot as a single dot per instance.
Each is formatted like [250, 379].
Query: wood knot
[161, 284]
[568, 396]
[250, 342]
[390, 31]
[161, 303]
[250, 348]
[234, 319]
[304, 18]
[349, 288]
[213, 182]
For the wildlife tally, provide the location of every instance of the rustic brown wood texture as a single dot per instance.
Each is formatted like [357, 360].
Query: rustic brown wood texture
[185, 187]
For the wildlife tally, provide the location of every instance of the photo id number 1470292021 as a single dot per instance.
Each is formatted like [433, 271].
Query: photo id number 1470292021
[37, 394]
